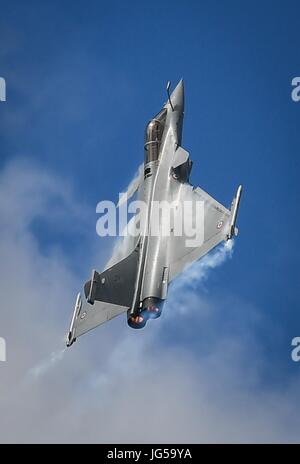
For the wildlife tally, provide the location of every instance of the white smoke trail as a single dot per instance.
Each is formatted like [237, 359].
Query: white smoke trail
[183, 289]
[125, 244]
[46, 364]
[133, 186]
[199, 270]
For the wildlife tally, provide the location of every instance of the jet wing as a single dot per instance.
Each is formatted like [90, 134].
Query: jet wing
[107, 295]
[219, 225]
[86, 317]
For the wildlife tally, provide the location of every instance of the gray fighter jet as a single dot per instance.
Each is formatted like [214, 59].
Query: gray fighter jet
[138, 283]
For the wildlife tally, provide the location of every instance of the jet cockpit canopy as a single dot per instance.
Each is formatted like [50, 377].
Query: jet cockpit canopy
[153, 136]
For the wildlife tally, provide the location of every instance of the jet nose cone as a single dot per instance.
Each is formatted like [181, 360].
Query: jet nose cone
[177, 97]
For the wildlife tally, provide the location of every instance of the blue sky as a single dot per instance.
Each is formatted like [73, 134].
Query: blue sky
[82, 80]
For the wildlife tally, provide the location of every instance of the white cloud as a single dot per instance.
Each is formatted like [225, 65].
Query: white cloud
[116, 384]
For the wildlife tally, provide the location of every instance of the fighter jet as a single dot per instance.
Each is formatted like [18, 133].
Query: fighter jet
[138, 283]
